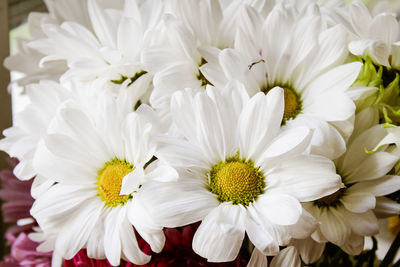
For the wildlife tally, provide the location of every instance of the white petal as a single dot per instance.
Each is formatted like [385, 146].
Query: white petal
[358, 201]
[132, 181]
[163, 173]
[364, 224]
[77, 229]
[355, 245]
[309, 250]
[332, 105]
[94, 250]
[338, 79]
[287, 257]
[304, 227]
[257, 259]
[59, 199]
[259, 234]
[289, 143]
[389, 23]
[304, 177]
[386, 207]
[221, 233]
[112, 239]
[129, 245]
[147, 228]
[326, 140]
[62, 170]
[178, 203]
[260, 122]
[374, 166]
[102, 24]
[334, 227]
[379, 187]
[279, 209]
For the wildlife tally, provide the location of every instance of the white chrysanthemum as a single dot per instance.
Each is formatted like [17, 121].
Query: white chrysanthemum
[348, 215]
[375, 37]
[195, 31]
[238, 173]
[111, 50]
[90, 159]
[301, 57]
[28, 61]
[31, 125]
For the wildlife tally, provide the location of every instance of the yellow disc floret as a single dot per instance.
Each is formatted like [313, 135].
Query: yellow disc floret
[292, 104]
[109, 182]
[236, 180]
[394, 225]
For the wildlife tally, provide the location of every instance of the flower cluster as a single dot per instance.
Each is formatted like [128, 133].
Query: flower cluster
[202, 132]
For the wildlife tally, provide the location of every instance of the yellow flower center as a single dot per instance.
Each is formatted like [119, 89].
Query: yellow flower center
[293, 105]
[109, 182]
[236, 180]
[394, 225]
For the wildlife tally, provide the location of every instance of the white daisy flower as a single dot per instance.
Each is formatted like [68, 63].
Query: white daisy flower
[304, 59]
[90, 159]
[111, 50]
[375, 37]
[28, 61]
[347, 215]
[195, 31]
[31, 125]
[238, 173]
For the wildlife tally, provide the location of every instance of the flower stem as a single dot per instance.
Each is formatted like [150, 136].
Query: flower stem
[392, 252]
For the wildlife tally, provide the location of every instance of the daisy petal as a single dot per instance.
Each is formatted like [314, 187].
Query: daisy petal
[287, 257]
[309, 250]
[130, 247]
[304, 177]
[259, 235]
[221, 233]
[76, 231]
[257, 259]
[334, 227]
[176, 204]
[260, 122]
[279, 209]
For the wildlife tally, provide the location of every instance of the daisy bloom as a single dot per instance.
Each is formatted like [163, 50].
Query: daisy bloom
[375, 37]
[90, 159]
[239, 173]
[109, 47]
[303, 57]
[348, 215]
[195, 31]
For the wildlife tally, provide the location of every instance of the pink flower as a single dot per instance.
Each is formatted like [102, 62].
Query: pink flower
[17, 203]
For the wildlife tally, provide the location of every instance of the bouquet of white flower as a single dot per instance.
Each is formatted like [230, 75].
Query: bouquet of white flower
[206, 133]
